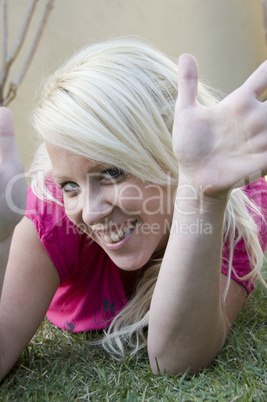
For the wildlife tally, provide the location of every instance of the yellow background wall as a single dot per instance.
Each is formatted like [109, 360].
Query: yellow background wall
[226, 36]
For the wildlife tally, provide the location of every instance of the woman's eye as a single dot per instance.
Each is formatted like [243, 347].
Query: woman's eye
[68, 186]
[112, 173]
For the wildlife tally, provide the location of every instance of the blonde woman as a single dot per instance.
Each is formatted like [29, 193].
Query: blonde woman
[135, 220]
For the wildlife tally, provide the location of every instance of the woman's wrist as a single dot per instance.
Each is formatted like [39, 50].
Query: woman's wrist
[202, 187]
[192, 199]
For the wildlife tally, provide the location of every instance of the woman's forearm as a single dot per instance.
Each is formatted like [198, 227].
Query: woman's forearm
[186, 325]
[4, 253]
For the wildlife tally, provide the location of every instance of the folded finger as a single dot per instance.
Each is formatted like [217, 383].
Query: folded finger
[257, 82]
[7, 135]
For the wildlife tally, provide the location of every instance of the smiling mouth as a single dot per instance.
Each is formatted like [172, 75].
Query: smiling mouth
[115, 237]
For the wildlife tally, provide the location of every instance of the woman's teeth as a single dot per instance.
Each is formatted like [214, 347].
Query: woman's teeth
[122, 233]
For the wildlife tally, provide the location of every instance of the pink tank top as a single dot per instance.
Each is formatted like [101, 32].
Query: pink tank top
[91, 292]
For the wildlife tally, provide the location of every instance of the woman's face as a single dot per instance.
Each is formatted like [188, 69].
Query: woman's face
[129, 219]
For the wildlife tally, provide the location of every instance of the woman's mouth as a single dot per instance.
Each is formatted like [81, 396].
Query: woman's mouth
[117, 235]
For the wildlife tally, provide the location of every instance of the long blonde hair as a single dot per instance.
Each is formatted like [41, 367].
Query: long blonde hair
[113, 102]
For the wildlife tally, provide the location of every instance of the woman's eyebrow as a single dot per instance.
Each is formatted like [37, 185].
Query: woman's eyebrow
[59, 177]
[97, 167]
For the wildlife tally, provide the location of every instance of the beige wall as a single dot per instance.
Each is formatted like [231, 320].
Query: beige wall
[226, 36]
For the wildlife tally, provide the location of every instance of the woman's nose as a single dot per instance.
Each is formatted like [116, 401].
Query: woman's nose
[97, 205]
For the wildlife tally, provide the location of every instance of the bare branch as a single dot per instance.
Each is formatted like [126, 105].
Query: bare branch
[23, 31]
[5, 32]
[264, 14]
[12, 92]
[8, 60]
[3, 72]
[14, 85]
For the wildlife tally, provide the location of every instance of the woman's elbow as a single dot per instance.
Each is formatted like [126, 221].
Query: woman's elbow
[180, 363]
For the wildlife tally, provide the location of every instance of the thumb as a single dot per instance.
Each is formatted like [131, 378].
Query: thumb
[6, 123]
[187, 81]
[7, 135]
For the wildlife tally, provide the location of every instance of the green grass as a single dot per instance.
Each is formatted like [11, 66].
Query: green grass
[59, 366]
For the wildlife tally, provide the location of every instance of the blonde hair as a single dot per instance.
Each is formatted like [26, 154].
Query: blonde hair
[113, 102]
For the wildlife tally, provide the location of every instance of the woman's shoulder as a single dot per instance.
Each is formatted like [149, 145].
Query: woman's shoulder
[257, 193]
[257, 190]
[45, 212]
[60, 237]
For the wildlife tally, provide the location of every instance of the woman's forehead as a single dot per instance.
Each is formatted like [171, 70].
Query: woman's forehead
[63, 159]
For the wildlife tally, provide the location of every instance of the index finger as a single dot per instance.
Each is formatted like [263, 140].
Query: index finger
[187, 80]
[257, 82]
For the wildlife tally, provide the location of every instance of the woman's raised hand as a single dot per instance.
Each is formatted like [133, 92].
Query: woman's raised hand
[12, 182]
[218, 147]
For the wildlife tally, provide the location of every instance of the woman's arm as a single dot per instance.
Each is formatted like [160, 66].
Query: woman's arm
[28, 276]
[30, 283]
[188, 326]
[10, 168]
[216, 148]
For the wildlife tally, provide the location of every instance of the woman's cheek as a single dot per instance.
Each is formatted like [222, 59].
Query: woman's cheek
[73, 209]
[130, 198]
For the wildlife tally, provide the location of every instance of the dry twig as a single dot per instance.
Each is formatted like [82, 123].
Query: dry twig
[264, 12]
[8, 59]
